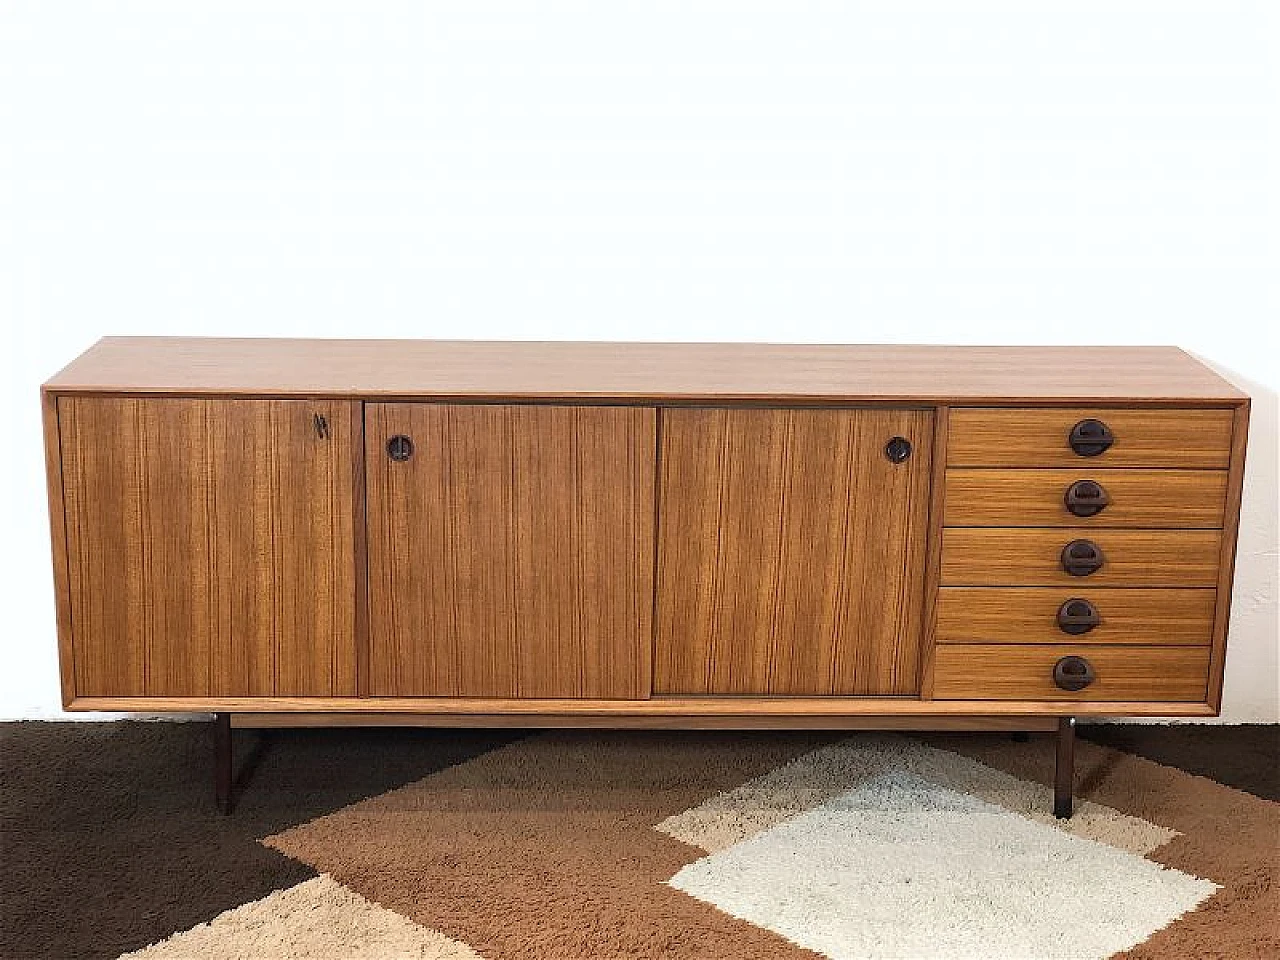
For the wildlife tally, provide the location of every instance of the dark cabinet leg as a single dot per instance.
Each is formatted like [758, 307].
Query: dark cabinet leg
[222, 761]
[1065, 773]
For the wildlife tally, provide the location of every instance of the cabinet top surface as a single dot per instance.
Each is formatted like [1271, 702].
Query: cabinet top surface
[462, 369]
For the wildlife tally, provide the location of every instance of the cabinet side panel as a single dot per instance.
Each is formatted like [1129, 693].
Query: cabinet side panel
[58, 545]
[791, 551]
[1227, 558]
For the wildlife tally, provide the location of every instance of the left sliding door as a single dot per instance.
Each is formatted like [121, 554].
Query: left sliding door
[211, 545]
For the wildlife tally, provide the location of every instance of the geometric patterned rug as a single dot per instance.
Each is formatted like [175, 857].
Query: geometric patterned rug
[598, 844]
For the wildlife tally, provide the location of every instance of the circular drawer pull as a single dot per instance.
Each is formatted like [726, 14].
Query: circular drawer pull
[898, 449]
[399, 447]
[1073, 673]
[1077, 616]
[1082, 557]
[1086, 498]
[1089, 438]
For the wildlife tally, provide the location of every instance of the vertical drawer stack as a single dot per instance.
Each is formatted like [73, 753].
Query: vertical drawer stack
[1080, 553]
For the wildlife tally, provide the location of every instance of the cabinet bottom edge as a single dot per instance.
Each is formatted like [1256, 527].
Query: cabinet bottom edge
[815, 710]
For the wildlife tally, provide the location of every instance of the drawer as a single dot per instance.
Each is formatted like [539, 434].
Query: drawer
[1032, 556]
[1127, 498]
[1109, 615]
[1003, 672]
[1040, 437]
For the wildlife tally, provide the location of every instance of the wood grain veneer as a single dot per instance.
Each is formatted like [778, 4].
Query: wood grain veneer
[790, 551]
[210, 546]
[1034, 498]
[511, 555]
[1003, 672]
[1030, 556]
[1144, 437]
[670, 372]
[1130, 615]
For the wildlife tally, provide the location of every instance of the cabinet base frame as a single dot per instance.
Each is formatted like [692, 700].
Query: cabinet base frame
[222, 762]
[1064, 770]
[265, 721]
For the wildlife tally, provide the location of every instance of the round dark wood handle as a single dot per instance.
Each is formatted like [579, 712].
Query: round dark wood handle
[1077, 616]
[1082, 557]
[1073, 673]
[897, 449]
[1086, 498]
[1090, 437]
[399, 448]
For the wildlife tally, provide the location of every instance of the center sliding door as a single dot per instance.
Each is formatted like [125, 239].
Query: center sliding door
[791, 551]
[510, 550]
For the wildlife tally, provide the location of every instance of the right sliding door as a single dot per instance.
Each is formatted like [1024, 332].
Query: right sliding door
[791, 550]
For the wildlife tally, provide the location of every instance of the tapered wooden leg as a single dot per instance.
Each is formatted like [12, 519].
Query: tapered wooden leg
[222, 761]
[1065, 773]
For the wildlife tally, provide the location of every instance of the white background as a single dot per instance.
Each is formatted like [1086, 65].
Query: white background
[952, 172]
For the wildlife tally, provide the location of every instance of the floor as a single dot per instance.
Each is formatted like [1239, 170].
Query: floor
[110, 840]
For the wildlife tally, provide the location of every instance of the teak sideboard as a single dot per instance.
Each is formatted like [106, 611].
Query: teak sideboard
[629, 534]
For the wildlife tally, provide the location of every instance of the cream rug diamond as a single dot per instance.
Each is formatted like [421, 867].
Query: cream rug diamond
[900, 867]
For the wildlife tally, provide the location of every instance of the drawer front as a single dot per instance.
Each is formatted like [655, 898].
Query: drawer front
[1016, 557]
[1109, 615]
[1121, 498]
[1003, 672]
[1040, 437]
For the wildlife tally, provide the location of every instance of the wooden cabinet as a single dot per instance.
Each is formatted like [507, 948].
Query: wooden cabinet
[510, 550]
[698, 534]
[791, 551]
[694, 535]
[210, 546]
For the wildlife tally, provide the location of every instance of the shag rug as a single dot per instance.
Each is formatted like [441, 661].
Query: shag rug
[389, 844]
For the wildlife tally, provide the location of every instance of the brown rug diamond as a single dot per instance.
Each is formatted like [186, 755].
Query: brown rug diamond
[698, 845]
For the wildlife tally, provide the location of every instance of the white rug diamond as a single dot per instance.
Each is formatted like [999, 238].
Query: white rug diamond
[901, 867]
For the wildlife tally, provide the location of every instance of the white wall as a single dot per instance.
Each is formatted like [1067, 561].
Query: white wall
[1017, 172]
